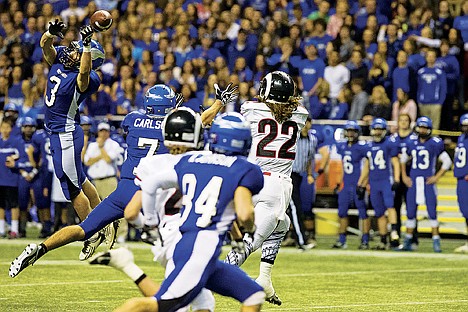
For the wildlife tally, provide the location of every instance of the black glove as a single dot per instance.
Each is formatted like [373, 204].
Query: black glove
[56, 28]
[179, 100]
[86, 33]
[150, 235]
[228, 95]
[360, 192]
[320, 171]
[395, 186]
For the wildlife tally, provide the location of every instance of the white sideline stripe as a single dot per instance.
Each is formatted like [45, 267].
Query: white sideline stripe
[372, 272]
[409, 303]
[63, 283]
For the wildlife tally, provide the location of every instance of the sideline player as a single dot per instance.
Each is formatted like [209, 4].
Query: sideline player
[216, 188]
[144, 138]
[461, 173]
[275, 122]
[424, 152]
[352, 195]
[382, 156]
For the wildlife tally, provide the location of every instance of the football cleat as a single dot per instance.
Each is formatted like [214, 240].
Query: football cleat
[462, 249]
[271, 295]
[116, 258]
[274, 300]
[394, 239]
[364, 246]
[29, 255]
[436, 245]
[380, 246]
[340, 245]
[406, 246]
[91, 244]
[110, 233]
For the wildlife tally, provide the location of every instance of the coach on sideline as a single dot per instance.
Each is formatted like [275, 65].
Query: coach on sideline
[100, 157]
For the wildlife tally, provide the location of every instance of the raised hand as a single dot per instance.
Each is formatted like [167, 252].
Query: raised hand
[86, 33]
[56, 28]
[227, 95]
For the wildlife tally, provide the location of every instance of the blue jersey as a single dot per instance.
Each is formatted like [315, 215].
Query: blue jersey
[208, 183]
[8, 147]
[144, 138]
[63, 97]
[309, 70]
[380, 155]
[461, 168]
[42, 141]
[351, 156]
[424, 156]
[24, 163]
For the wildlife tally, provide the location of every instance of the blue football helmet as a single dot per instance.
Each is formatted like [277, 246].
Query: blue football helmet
[10, 107]
[352, 130]
[183, 127]
[159, 100]
[423, 122]
[230, 135]
[464, 123]
[378, 129]
[97, 54]
[28, 121]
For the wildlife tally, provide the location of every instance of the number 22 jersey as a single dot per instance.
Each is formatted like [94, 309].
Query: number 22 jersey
[273, 144]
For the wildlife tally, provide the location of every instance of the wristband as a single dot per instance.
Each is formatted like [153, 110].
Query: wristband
[49, 35]
[87, 48]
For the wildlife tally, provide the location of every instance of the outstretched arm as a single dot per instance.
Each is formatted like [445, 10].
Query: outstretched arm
[47, 40]
[85, 63]
[223, 97]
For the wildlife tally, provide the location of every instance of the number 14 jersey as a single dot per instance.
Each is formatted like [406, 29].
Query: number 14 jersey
[273, 144]
[379, 155]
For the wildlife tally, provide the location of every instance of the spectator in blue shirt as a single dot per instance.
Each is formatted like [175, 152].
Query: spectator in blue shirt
[205, 50]
[461, 22]
[240, 48]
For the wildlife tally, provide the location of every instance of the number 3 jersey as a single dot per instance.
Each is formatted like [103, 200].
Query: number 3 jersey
[144, 138]
[273, 144]
[461, 169]
[379, 155]
[351, 156]
[208, 183]
[424, 156]
[63, 97]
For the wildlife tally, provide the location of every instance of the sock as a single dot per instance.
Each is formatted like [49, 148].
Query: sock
[2, 227]
[383, 239]
[15, 226]
[265, 271]
[365, 238]
[435, 237]
[394, 227]
[343, 238]
[133, 271]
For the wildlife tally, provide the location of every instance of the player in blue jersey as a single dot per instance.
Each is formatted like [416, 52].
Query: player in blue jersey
[72, 78]
[424, 153]
[144, 137]
[382, 156]
[461, 173]
[216, 187]
[352, 194]
[10, 148]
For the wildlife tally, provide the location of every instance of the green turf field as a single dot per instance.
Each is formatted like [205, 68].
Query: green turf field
[318, 280]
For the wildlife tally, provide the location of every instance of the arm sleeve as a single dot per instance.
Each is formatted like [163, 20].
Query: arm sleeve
[114, 150]
[253, 179]
[446, 160]
[433, 43]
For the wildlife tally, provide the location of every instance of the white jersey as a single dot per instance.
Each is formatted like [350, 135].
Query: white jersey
[273, 144]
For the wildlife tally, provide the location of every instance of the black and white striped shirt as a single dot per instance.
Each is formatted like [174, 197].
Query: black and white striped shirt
[306, 148]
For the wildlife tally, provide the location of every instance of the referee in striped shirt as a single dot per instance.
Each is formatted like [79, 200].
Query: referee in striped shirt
[303, 166]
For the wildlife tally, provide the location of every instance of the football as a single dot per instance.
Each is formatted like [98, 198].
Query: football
[101, 20]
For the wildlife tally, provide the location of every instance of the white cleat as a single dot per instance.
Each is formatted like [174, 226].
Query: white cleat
[91, 244]
[110, 233]
[116, 258]
[271, 295]
[462, 249]
[29, 255]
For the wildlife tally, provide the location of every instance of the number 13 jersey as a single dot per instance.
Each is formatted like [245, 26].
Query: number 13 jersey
[273, 144]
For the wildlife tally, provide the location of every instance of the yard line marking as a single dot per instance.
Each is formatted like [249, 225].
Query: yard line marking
[63, 283]
[372, 305]
[372, 272]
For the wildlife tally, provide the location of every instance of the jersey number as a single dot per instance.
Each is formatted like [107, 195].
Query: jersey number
[205, 204]
[152, 143]
[461, 157]
[425, 159]
[378, 161]
[283, 152]
[347, 165]
[50, 101]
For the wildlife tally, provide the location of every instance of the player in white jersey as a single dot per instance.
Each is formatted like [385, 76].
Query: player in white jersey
[276, 120]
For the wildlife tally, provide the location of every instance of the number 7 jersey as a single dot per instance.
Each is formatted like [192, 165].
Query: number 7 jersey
[273, 144]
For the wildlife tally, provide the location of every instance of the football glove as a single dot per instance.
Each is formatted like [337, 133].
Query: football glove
[240, 245]
[86, 33]
[151, 235]
[56, 28]
[228, 95]
[395, 186]
[179, 100]
[360, 192]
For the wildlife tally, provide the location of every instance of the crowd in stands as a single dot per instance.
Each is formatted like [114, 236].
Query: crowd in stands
[352, 59]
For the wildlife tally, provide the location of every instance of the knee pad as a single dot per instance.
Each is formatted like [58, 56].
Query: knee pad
[411, 223]
[255, 299]
[434, 223]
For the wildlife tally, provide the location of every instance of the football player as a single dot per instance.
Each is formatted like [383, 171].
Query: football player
[461, 173]
[424, 152]
[216, 188]
[144, 137]
[275, 121]
[352, 194]
[382, 156]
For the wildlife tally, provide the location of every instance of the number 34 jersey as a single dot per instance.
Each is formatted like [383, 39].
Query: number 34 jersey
[351, 156]
[273, 144]
[379, 155]
[144, 138]
[63, 97]
[461, 169]
[424, 156]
